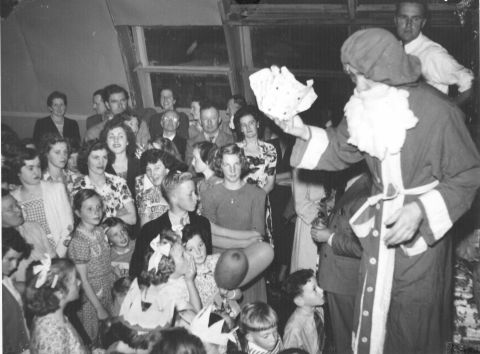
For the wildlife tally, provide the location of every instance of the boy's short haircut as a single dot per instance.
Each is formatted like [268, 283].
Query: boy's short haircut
[256, 317]
[172, 180]
[294, 283]
[112, 221]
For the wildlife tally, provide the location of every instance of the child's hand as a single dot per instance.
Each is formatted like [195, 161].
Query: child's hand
[191, 273]
[102, 314]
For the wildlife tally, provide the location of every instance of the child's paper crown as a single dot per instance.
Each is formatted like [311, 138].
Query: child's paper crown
[210, 334]
[145, 312]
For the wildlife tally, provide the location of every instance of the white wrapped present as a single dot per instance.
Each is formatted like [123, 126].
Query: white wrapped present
[279, 94]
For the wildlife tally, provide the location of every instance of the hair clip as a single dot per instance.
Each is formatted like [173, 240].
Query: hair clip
[159, 250]
[42, 271]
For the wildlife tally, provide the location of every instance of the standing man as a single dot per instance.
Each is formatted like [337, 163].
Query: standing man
[98, 107]
[167, 103]
[439, 68]
[116, 101]
[210, 121]
[425, 171]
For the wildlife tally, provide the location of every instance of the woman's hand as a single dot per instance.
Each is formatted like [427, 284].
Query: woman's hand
[320, 235]
[102, 314]
[191, 273]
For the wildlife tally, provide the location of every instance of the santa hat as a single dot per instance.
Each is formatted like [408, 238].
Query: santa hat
[379, 56]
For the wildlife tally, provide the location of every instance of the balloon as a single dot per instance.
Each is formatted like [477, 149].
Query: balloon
[237, 267]
[231, 268]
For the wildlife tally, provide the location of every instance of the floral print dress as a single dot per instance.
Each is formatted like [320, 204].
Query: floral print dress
[115, 193]
[91, 248]
[50, 336]
[149, 200]
[261, 167]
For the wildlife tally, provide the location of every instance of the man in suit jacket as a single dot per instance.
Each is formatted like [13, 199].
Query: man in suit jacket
[56, 123]
[178, 189]
[170, 121]
[116, 101]
[210, 121]
[99, 109]
[339, 265]
[167, 103]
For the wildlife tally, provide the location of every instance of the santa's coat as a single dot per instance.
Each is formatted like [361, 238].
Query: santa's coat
[409, 314]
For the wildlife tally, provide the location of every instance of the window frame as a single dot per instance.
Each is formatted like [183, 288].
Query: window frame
[143, 69]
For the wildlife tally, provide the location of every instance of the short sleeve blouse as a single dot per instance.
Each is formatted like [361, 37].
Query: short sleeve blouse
[115, 193]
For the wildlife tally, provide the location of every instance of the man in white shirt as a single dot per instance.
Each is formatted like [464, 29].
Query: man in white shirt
[439, 68]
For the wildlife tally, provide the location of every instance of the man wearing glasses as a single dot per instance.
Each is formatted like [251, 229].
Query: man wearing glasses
[170, 122]
[439, 68]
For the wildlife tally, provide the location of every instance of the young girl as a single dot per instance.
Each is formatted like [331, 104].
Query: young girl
[51, 285]
[192, 239]
[121, 246]
[90, 251]
[171, 272]
[203, 156]
[258, 332]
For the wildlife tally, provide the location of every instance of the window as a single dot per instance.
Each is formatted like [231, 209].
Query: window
[191, 60]
[298, 47]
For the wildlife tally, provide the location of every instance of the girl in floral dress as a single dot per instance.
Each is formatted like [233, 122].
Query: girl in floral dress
[261, 157]
[52, 284]
[90, 251]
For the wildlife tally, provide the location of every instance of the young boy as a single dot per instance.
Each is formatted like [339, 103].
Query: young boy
[305, 327]
[179, 191]
[121, 245]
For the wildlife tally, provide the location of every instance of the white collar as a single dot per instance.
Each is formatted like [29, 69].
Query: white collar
[413, 45]
[147, 184]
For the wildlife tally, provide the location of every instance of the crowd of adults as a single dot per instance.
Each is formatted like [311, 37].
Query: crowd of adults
[139, 211]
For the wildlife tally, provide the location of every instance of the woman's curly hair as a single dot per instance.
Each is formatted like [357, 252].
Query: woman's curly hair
[118, 121]
[46, 144]
[231, 149]
[86, 150]
[42, 300]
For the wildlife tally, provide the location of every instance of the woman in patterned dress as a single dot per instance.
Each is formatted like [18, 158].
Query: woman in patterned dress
[116, 197]
[90, 252]
[43, 202]
[52, 333]
[122, 146]
[261, 156]
[154, 165]
[54, 154]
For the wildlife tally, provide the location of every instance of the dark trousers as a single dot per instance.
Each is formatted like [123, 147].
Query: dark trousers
[341, 310]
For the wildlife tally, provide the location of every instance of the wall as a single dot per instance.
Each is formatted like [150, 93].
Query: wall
[65, 45]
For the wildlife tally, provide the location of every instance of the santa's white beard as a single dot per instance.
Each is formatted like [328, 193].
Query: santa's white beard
[378, 120]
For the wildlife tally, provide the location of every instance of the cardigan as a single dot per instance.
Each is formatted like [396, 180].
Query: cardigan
[46, 125]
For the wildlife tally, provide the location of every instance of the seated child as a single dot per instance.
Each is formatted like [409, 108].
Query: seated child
[51, 285]
[170, 273]
[121, 247]
[258, 331]
[193, 241]
[305, 327]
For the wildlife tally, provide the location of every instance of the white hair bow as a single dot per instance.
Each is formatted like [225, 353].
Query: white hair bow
[159, 250]
[42, 271]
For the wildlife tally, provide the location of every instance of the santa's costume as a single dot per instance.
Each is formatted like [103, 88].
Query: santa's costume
[418, 149]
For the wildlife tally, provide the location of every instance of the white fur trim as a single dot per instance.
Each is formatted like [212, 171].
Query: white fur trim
[316, 147]
[437, 213]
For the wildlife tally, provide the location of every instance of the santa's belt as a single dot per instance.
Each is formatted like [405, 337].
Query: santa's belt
[362, 222]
